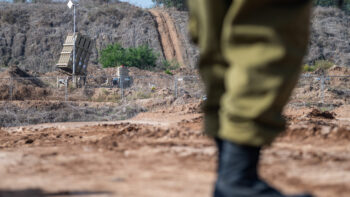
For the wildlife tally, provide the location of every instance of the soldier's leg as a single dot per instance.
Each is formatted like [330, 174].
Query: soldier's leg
[264, 42]
[205, 25]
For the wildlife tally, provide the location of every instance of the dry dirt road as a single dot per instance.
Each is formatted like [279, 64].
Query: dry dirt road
[170, 39]
[164, 153]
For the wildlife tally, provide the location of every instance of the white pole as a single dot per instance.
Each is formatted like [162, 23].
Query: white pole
[74, 43]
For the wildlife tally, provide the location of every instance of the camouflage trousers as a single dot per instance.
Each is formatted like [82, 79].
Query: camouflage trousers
[251, 54]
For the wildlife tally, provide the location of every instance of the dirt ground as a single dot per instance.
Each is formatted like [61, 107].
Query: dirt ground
[164, 153]
[169, 37]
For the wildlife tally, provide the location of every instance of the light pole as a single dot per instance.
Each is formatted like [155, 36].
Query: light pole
[70, 5]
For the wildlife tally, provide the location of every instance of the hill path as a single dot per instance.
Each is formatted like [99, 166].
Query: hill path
[171, 45]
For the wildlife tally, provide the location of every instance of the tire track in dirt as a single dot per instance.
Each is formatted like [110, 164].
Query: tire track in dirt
[138, 157]
[170, 42]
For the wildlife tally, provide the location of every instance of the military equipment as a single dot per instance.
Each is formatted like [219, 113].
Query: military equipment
[83, 46]
[123, 80]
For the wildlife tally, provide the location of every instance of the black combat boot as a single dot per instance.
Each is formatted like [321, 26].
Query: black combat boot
[237, 173]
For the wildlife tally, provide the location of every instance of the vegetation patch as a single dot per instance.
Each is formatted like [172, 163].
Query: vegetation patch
[332, 3]
[319, 64]
[178, 4]
[114, 55]
[169, 66]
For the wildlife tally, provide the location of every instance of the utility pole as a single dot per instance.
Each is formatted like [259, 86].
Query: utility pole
[74, 17]
[70, 5]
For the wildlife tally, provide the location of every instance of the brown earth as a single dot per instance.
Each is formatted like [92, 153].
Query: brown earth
[160, 153]
[164, 153]
[169, 37]
[23, 85]
[328, 87]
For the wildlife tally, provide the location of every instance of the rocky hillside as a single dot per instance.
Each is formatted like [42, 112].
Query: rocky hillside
[31, 35]
[330, 37]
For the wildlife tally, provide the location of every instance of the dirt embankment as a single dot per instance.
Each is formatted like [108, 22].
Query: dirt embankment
[170, 39]
[16, 84]
[163, 153]
[324, 87]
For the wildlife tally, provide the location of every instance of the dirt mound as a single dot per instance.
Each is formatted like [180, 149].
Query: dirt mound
[343, 111]
[293, 112]
[120, 136]
[316, 113]
[19, 113]
[15, 73]
[121, 133]
[316, 130]
[190, 108]
[3, 133]
[314, 125]
[338, 71]
[19, 85]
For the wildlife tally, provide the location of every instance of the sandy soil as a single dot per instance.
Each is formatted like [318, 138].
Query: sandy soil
[169, 37]
[164, 153]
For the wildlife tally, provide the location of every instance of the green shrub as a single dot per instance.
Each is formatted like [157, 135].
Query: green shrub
[172, 65]
[115, 55]
[319, 64]
[168, 72]
[331, 3]
[112, 55]
[153, 89]
[325, 3]
[308, 68]
[323, 64]
[141, 57]
[178, 4]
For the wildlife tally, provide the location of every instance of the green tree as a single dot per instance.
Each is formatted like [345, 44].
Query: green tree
[115, 55]
[112, 56]
[325, 3]
[333, 3]
[178, 4]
